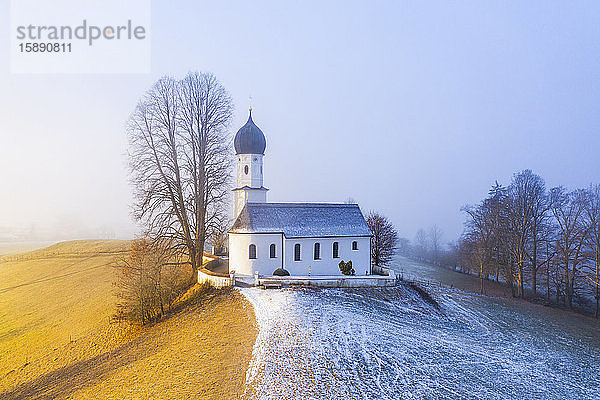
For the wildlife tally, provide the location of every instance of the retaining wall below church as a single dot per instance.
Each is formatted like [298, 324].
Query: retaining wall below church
[326, 281]
[332, 281]
[213, 278]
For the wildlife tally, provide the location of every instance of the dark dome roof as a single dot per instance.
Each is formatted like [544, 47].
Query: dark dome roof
[249, 139]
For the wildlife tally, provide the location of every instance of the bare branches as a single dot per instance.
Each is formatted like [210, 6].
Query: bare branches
[180, 161]
[150, 278]
[528, 233]
[385, 239]
[568, 210]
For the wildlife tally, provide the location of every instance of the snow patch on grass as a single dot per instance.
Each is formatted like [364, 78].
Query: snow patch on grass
[390, 344]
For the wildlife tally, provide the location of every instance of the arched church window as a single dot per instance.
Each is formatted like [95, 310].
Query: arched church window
[272, 251]
[246, 170]
[336, 250]
[355, 245]
[317, 252]
[297, 252]
[252, 251]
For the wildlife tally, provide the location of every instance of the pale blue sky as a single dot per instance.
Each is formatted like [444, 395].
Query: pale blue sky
[413, 109]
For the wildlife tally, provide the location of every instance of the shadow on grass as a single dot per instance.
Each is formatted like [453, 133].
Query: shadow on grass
[69, 379]
[424, 295]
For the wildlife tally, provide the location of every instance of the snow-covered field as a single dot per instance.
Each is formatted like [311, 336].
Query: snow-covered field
[390, 344]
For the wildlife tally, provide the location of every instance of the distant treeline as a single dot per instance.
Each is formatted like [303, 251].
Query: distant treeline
[535, 239]
[542, 243]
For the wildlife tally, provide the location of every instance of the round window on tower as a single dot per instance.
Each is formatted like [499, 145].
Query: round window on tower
[246, 170]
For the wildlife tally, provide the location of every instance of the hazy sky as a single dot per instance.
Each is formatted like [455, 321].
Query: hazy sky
[413, 109]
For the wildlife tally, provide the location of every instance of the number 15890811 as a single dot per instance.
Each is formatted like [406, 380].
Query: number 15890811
[45, 47]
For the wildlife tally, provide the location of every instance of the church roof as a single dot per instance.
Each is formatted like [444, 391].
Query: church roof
[302, 219]
[249, 139]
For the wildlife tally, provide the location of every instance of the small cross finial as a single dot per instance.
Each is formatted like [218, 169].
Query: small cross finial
[250, 102]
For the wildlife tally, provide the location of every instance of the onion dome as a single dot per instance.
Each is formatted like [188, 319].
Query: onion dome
[249, 139]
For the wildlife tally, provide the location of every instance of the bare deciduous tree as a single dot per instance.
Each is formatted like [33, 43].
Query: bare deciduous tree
[218, 237]
[525, 197]
[148, 281]
[421, 245]
[568, 209]
[479, 233]
[592, 222]
[435, 239]
[180, 161]
[385, 239]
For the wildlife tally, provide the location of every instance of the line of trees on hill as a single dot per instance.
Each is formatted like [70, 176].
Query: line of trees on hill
[540, 242]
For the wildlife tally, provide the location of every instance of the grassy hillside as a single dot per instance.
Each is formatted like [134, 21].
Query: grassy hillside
[12, 247]
[56, 339]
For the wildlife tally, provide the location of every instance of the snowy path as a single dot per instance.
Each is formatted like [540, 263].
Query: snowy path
[335, 343]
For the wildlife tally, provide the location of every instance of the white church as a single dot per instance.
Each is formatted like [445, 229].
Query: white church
[302, 238]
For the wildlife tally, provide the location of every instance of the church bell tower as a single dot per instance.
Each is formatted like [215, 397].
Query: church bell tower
[250, 147]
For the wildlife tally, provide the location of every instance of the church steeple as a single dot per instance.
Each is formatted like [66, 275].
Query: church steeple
[250, 145]
[249, 139]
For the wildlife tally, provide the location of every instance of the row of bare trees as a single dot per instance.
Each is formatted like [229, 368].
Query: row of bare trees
[538, 241]
[427, 246]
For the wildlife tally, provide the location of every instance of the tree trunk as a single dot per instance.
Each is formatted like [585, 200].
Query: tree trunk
[567, 286]
[534, 269]
[497, 263]
[597, 299]
[481, 276]
[548, 280]
[547, 274]
[597, 282]
[521, 292]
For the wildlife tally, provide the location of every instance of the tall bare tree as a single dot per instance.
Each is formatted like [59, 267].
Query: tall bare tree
[421, 245]
[435, 239]
[524, 195]
[180, 161]
[385, 239]
[498, 219]
[568, 211]
[592, 222]
[479, 235]
[540, 206]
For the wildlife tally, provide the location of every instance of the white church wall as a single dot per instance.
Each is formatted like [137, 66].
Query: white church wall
[327, 265]
[239, 260]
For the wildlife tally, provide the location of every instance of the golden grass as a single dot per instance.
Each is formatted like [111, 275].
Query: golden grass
[56, 339]
[13, 247]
